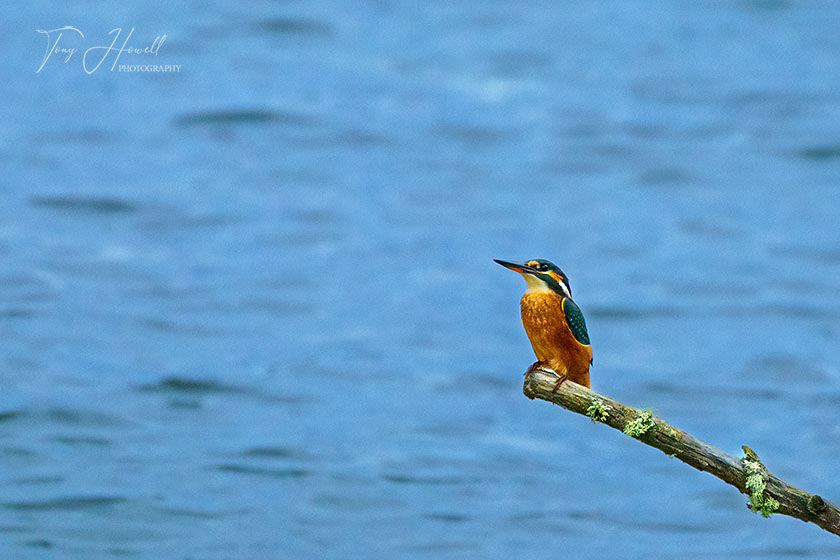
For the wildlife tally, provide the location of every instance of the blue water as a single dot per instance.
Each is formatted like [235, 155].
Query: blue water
[248, 309]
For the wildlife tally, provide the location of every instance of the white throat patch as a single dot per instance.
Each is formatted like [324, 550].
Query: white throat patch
[537, 285]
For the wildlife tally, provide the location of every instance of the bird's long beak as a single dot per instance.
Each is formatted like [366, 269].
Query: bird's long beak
[516, 267]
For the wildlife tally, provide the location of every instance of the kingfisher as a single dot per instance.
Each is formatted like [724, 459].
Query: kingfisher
[553, 322]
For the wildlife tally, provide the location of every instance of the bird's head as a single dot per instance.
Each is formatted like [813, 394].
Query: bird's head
[541, 276]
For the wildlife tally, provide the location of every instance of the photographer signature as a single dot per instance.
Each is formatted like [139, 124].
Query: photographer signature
[93, 57]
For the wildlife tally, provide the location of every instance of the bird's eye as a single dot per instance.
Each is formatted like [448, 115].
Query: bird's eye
[543, 267]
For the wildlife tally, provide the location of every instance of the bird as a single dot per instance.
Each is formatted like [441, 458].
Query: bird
[553, 322]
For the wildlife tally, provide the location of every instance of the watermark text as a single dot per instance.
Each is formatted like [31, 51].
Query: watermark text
[64, 42]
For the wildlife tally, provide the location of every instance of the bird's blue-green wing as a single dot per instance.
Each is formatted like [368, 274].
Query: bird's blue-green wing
[574, 318]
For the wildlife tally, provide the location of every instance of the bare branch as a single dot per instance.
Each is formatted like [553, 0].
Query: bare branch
[768, 494]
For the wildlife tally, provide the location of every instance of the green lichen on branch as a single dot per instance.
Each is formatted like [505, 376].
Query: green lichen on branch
[755, 482]
[598, 411]
[639, 425]
[768, 494]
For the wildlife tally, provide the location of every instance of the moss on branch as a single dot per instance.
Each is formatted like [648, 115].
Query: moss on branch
[767, 493]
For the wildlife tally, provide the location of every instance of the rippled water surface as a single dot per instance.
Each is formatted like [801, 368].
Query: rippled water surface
[248, 310]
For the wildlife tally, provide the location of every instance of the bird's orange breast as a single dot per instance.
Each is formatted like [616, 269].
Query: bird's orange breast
[545, 324]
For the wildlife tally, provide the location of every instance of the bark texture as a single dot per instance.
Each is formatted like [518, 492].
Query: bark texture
[768, 494]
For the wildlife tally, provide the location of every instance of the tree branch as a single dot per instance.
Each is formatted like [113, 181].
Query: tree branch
[768, 494]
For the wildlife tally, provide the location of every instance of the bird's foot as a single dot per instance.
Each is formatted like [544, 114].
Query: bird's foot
[535, 366]
[543, 367]
[560, 380]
